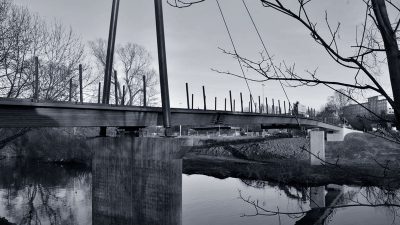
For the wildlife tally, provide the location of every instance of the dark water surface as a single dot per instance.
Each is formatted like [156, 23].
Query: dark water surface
[140, 188]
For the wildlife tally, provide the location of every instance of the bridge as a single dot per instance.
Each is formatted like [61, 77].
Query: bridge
[21, 113]
[18, 113]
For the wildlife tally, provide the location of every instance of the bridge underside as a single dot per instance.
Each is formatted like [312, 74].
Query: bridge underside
[18, 114]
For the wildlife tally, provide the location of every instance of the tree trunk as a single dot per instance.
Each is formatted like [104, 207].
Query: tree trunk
[392, 52]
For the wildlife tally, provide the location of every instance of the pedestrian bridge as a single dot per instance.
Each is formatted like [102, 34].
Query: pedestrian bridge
[17, 113]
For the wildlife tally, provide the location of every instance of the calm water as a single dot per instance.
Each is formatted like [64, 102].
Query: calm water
[130, 190]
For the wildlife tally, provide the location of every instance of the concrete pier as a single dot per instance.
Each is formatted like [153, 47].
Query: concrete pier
[317, 197]
[317, 147]
[137, 181]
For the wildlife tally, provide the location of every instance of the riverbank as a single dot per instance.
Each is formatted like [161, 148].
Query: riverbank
[361, 159]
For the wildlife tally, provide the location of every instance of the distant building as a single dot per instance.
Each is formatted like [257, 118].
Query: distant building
[361, 118]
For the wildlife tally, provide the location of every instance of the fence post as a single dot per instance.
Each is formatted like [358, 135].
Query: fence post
[80, 84]
[225, 104]
[116, 86]
[187, 96]
[251, 103]
[234, 105]
[280, 109]
[99, 94]
[144, 92]
[70, 90]
[259, 105]
[123, 95]
[241, 101]
[284, 105]
[230, 99]
[266, 105]
[192, 101]
[36, 91]
[204, 98]
[273, 106]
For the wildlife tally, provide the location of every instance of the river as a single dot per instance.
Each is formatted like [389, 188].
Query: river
[130, 190]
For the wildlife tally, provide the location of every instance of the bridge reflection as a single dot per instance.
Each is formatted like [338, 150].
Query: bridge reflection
[322, 203]
[137, 181]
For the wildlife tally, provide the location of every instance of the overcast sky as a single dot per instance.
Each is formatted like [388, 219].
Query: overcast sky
[194, 34]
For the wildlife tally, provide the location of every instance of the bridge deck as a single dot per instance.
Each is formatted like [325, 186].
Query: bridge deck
[22, 113]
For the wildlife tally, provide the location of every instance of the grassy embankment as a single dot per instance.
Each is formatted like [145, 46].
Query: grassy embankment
[361, 159]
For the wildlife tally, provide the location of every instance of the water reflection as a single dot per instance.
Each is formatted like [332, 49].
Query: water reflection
[32, 193]
[139, 181]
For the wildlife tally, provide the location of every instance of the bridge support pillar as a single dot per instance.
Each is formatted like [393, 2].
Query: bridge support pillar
[317, 197]
[317, 147]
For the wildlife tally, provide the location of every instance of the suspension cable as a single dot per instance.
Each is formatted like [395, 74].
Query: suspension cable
[234, 49]
[268, 55]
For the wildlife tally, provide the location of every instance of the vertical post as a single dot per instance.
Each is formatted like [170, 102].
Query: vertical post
[234, 105]
[99, 94]
[249, 106]
[110, 51]
[290, 108]
[284, 105]
[259, 104]
[266, 105]
[230, 99]
[36, 91]
[162, 60]
[187, 96]
[204, 98]
[241, 102]
[215, 103]
[251, 103]
[70, 90]
[273, 106]
[225, 104]
[279, 104]
[317, 147]
[144, 92]
[116, 87]
[123, 95]
[192, 101]
[80, 83]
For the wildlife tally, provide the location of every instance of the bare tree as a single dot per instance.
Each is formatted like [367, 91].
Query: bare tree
[59, 62]
[98, 49]
[133, 62]
[16, 40]
[24, 35]
[376, 43]
[338, 101]
[136, 63]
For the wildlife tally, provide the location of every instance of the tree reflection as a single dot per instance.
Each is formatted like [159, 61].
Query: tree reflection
[323, 202]
[34, 194]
